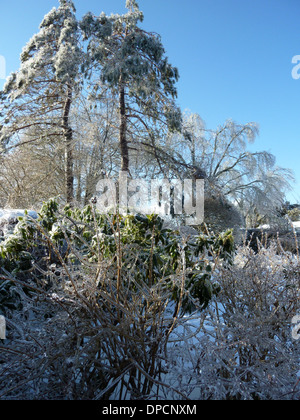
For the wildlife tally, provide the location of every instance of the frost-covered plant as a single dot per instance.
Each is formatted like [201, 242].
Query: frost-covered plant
[97, 323]
[84, 339]
[100, 331]
[154, 251]
[26, 245]
[245, 349]
[294, 214]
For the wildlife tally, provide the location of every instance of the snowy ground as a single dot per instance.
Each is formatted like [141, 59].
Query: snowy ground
[9, 215]
[295, 224]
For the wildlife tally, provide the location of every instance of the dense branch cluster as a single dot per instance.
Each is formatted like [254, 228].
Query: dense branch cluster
[90, 325]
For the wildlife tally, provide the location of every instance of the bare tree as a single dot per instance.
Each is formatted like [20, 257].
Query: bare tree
[250, 179]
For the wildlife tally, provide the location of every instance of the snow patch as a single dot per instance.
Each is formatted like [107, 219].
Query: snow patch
[264, 227]
[9, 219]
[297, 225]
[9, 215]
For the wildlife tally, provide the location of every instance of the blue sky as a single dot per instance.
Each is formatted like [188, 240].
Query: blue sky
[234, 59]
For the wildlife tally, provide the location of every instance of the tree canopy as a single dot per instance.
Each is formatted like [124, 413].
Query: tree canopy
[98, 96]
[133, 64]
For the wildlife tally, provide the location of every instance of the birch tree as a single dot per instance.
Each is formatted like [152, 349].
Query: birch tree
[223, 157]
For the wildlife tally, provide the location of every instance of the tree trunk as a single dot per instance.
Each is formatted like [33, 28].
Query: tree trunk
[123, 129]
[79, 188]
[68, 138]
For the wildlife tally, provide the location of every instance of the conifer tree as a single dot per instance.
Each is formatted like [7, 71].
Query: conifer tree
[39, 95]
[133, 65]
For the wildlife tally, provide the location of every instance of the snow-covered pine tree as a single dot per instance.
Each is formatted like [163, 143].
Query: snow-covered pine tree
[133, 65]
[40, 94]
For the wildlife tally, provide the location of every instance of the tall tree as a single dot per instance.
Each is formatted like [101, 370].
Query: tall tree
[133, 64]
[40, 94]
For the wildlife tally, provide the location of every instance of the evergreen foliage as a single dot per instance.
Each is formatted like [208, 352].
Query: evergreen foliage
[39, 96]
[133, 64]
[156, 253]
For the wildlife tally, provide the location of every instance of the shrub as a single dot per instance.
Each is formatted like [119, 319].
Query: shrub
[154, 252]
[104, 329]
[98, 321]
[294, 214]
[245, 350]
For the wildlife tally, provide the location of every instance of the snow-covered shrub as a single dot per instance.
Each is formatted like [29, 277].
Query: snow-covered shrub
[111, 319]
[86, 234]
[245, 348]
[282, 240]
[88, 337]
[294, 214]
[102, 331]
[97, 323]
[24, 244]
[9, 219]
